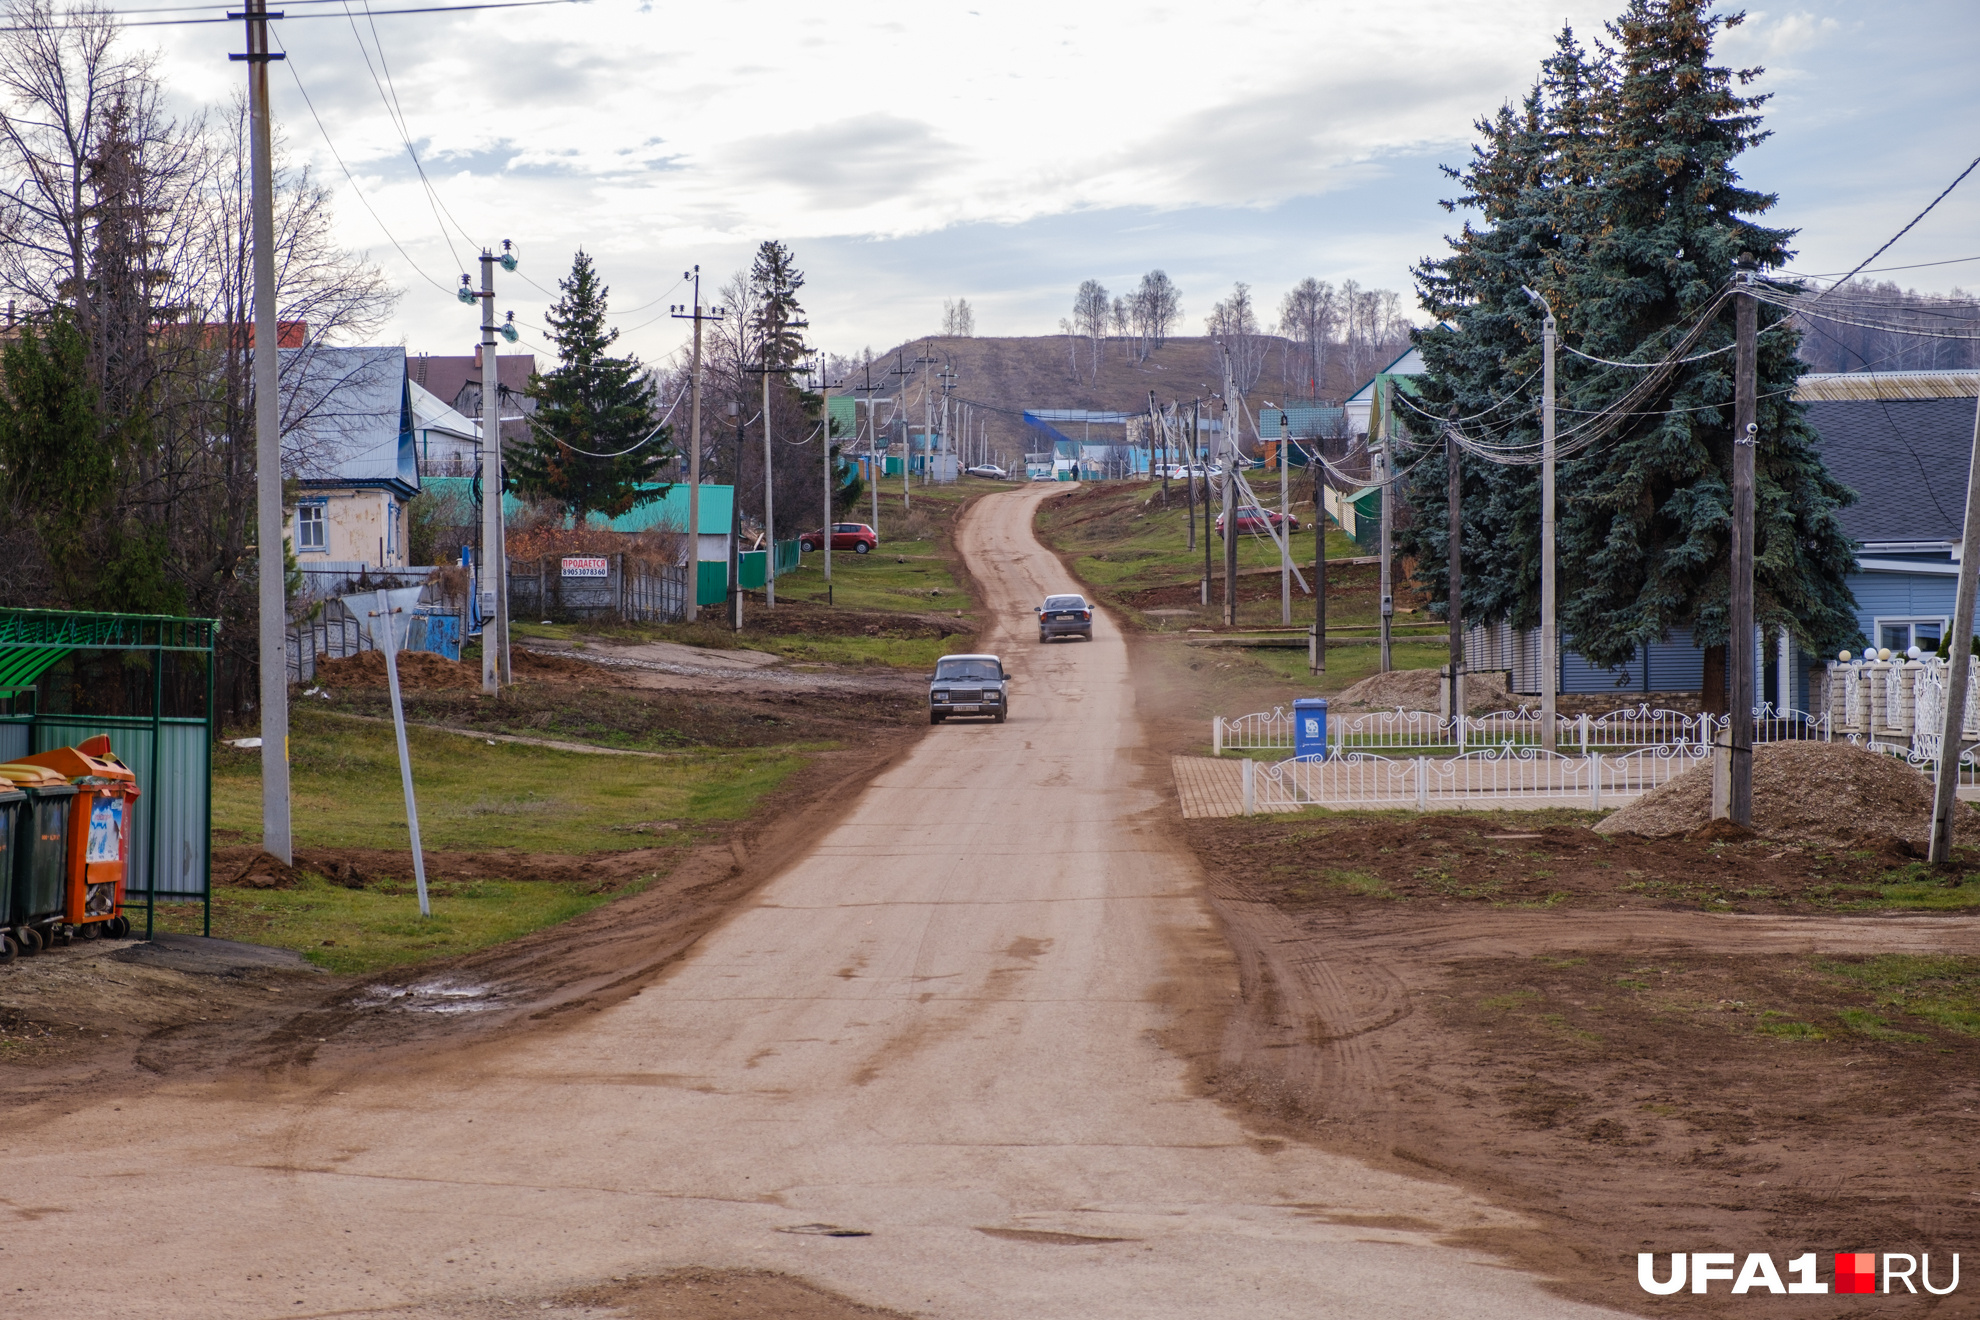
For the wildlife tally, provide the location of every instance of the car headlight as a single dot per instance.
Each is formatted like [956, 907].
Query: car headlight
[993, 696]
[939, 696]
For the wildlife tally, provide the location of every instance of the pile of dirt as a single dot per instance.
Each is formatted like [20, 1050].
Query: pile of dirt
[417, 669]
[1419, 689]
[1802, 792]
[263, 871]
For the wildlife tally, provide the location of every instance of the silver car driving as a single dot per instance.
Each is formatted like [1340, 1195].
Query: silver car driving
[969, 685]
[1065, 616]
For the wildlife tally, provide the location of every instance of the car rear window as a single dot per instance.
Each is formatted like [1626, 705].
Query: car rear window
[1065, 602]
[980, 671]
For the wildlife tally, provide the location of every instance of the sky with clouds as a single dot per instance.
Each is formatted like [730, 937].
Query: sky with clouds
[1005, 152]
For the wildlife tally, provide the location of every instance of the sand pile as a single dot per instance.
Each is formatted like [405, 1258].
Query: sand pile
[1417, 689]
[1809, 792]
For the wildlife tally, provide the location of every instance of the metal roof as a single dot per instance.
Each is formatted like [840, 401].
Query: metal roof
[1906, 459]
[1842, 387]
[347, 418]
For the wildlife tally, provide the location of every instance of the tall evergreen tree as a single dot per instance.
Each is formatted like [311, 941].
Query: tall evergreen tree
[585, 449]
[1613, 193]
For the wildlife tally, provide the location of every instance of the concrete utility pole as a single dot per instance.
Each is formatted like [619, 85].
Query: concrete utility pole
[735, 525]
[694, 444]
[1550, 637]
[1285, 520]
[1189, 493]
[494, 544]
[1739, 642]
[1199, 458]
[1319, 664]
[1388, 601]
[1230, 521]
[1455, 536]
[271, 585]
[825, 384]
[901, 372]
[769, 501]
[1952, 736]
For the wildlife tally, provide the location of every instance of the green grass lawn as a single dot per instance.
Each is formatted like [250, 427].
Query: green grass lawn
[476, 795]
[473, 796]
[359, 931]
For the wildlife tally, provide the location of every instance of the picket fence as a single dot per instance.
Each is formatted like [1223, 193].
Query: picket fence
[1423, 731]
[1365, 780]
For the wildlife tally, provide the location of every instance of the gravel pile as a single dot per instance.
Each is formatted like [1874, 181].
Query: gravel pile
[1417, 689]
[1803, 792]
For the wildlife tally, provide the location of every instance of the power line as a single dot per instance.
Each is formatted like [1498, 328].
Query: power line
[338, 157]
[191, 22]
[1908, 228]
[398, 125]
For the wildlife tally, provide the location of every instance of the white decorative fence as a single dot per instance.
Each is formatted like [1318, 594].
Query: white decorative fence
[1423, 732]
[1364, 780]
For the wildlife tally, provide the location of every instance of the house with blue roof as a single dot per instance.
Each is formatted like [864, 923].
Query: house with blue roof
[348, 444]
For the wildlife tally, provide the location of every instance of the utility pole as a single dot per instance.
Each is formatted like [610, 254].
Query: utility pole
[1387, 590]
[1739, 644]
[735, 525]
[1285, 520]
[694, 445]
[825, 384]
[1230, 518]
[495, 669]
[769, 498]
[1455, 535]
[1550, 637]
[1952, 737]
[1319, 665]
[1189, 493]
[901, 372]
[272, 584]
[1197, 457]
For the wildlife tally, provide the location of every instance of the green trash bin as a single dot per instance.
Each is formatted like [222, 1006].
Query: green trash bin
[40, 853]
[12, 800]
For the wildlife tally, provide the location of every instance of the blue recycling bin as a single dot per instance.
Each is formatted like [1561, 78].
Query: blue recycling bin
[1310, 728]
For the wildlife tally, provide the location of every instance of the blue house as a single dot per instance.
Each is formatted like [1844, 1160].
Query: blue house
[1902, 441]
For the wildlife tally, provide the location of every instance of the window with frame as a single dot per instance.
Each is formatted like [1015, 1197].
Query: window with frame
[1900, 635]
[311, 531]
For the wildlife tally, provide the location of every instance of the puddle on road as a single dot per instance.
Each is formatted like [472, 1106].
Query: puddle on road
[439, 996]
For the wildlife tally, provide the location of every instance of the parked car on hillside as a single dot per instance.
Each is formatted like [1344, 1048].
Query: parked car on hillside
[990, 470]
[856, 537]
[1065, 616]
[969, 685]
[1254, 519]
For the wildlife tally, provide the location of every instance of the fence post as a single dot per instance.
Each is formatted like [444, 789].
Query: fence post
[1595, 782]
[1422, 784]
[1250, 787]
[1216, 735]
[1581, 726]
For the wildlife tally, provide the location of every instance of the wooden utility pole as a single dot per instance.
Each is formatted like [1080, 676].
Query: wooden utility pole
[1952, 737]
[1198, 458]
[1739, 640]
[271, 597]
[1455, 537]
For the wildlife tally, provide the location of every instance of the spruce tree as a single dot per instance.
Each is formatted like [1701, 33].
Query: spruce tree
[1613, 194]
[593, 410]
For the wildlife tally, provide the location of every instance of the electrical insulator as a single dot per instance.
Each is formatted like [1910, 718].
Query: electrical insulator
[466, 292]
[508, 257]
[509, 328]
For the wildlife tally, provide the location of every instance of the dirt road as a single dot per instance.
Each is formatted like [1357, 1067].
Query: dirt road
[956, 1028]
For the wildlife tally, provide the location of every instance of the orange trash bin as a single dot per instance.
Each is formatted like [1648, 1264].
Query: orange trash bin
[99, 834]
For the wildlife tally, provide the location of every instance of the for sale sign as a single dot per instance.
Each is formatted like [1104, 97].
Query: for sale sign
[584, 566]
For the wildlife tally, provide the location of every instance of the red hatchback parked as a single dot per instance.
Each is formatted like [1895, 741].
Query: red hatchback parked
[856, 537]
[1253, 519]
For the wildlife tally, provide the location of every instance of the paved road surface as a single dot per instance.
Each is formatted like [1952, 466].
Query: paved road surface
[945, 1019]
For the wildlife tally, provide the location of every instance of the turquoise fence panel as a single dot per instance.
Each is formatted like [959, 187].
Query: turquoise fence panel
[711, 582]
